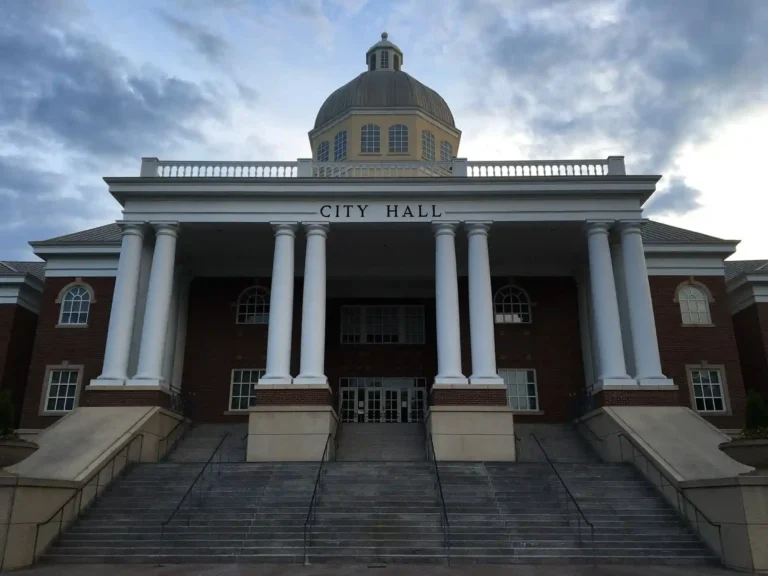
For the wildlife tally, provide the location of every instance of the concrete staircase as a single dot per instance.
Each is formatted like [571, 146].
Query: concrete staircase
[200, 442]
[381, 443]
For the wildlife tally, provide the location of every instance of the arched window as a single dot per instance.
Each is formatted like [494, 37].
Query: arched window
[398, 138]
[370, 138]
[694, 304]
[75, 306]
[511, 305]
[446, 151]
[340, 145]
[427, 145]
[253, 306]
[384, 59]
[323, 151]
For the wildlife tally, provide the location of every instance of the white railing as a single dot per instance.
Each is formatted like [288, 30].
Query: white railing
[380, 169]
[458, 167]
[529, 168]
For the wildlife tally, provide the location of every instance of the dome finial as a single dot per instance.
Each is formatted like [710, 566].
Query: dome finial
[384, 35]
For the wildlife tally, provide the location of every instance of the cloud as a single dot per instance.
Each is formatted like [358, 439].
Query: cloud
[350, 7]
[216, 49]
[677, 199]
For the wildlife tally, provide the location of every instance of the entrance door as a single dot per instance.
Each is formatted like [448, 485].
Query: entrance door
[391, 405]
[388, 400]
[373, 405]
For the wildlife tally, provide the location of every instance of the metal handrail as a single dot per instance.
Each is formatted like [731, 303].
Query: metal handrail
[313, 500]
[444, 516]
[166, 438]
[680, 494]
[573, 499]
[79, 492]
[177, 403]
[189, 490]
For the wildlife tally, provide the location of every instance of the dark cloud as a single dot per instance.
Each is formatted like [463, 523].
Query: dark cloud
[216, 49]
[677, 199]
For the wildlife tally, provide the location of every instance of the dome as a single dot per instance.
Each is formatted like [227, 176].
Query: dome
[384, 89]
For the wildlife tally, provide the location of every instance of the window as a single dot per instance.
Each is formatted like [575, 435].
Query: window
[61, 395]
[427, 145]
[323, 151]
[511, 305]
[373, 61]
[382, 325]
[398, 138]
[521, 389]
[384, 59]
[75, 305]
[340, 145]
[446, 151]
[370, 136]
[396, 59]
[253, 306]
[708, 389]
[694, 304]
[241, 392]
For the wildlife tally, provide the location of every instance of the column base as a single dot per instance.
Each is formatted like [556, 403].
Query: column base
[266, 379]
[660, 382]
[493, 380]
[101, 381]
[290, 433]
[461, 379]
[311, 380]
[472, 433]
[159, 382]
[615, 384]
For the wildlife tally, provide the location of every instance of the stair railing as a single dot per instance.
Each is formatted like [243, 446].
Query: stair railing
[568, 493]
[177, 433]
[77, 495]
[439, 486]
[189, 490]
[684, 504]
[312, 512]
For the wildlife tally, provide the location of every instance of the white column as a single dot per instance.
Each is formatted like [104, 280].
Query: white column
[278, 369]
[118, 348]
[605, 306]
[172, 330]
[447, 306]
[157, 311]
[312, 369]
[481, 325]
[645, 343]
[617, 260]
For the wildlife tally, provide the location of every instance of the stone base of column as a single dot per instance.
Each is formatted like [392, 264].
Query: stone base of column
[275, 380]
[310, 380]
[107, 382]
[494, 380]
[295, 433]
[450, 380]
[292, 395]
[615, 383]
[157, 382]
[638, 396]
[472, 433]
[111, 395]
[656, 383]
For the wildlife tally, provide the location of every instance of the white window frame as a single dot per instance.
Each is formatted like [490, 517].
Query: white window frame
[62, 301]
[446, 151]
[702, 316]
[49, 372]
[504, 317]
[427, 145]
[340, 146]
[324, 151]
[507, 374]
[260, 293]
[384, 64]
[708, 368]
[398, 139]
[260, 372]
[360, 330]
[370, 139]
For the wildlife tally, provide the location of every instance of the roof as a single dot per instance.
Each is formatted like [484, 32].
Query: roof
[109, 233]
[36, 269]
[658, 233]
[384, 90]
[735, 268]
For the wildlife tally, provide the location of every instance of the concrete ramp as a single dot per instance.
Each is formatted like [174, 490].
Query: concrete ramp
[72, 447]
[675, 437]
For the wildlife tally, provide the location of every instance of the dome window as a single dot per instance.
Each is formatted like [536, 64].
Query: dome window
[446, 151]
[323, 151]
[370, 138]
[340, 146]
[384, 59]
[427, 145]
[398, 139]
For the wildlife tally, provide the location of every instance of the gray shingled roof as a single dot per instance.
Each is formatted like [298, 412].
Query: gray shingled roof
[734, 268]
[36, 269]
[109, 233]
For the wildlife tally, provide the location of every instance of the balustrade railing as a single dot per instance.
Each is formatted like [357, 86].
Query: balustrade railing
[214, 169]
[530, 168]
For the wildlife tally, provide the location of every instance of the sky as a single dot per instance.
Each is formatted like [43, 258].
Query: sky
[88, 87]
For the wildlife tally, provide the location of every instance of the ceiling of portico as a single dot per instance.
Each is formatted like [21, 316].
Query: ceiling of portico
[383, 250]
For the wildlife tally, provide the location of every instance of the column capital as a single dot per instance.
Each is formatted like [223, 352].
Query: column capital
[598, 226]
[316, 228]
[285, 228]
[131, 228]
[166, 229]
[631, 226]
[473, 228]
[440, 228]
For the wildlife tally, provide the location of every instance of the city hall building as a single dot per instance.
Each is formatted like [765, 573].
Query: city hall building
[386, 279]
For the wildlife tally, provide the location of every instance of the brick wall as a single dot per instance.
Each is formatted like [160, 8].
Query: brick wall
[125, 398]
[681, 345]
[468, 397]
[77, 346]
[17, 338]
[751, 328]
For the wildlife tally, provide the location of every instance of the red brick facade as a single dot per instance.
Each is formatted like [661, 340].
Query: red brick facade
[17, 337]
[467, 397]
[751, 327]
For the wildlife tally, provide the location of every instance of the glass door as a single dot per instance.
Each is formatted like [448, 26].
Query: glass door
[391, 405]
[373, 404]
